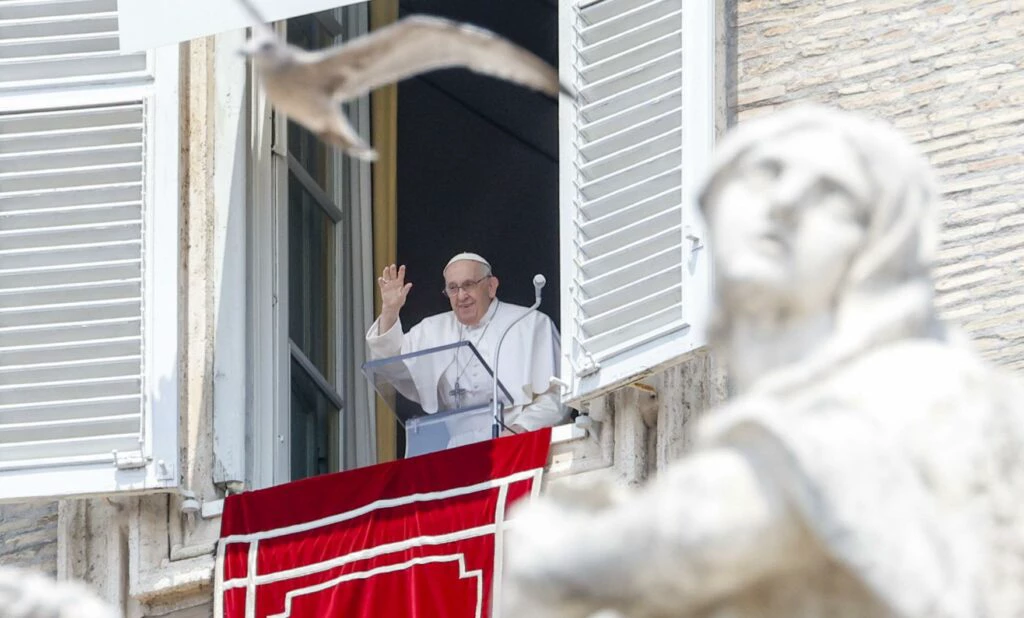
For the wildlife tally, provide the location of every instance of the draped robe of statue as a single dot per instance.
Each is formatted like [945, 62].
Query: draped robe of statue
[528, 361]
[880, 474]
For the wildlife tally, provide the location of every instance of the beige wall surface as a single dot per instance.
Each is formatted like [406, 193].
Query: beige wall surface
[951, 75]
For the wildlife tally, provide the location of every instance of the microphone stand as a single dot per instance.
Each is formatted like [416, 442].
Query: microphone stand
[498, 410]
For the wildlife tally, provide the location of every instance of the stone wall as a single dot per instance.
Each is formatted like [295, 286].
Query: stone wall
[28, 536]
[951, 75]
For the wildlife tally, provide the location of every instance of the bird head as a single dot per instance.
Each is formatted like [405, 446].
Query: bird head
[265, 49]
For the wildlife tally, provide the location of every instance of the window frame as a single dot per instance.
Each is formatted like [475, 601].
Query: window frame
[272, 352]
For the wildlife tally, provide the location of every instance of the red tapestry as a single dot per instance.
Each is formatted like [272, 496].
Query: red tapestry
[417, 538]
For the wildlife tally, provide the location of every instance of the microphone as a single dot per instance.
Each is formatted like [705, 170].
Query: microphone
[498, 412]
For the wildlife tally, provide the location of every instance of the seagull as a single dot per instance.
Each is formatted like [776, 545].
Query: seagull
[310, 86]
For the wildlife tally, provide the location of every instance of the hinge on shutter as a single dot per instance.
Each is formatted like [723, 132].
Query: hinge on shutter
[584, 365]
[130, 460]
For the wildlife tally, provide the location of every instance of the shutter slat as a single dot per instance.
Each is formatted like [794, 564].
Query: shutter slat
[72, 350]
[71, 68]
[625, 83]
[656, 280]
[610, 282]
[606, 223]
[47, 373]
[25, 260]
[66, 333]
[635, 333]
[630, 234]
[632, 174]
[71, 138]
[631, 253]
[81, 272]
[71, 216]
[48, 411]
[69, 390]
[642, 128]
[35, 237]
[656, 86]
[58, 28]
[606, 20]
[20, 9]
[652, 31]
[72, 447]
[634, 311]
[623, 158]
[630, 337]
[61, 295]
[71, 158]
[100, 309]
[635, 58]
[55, 178]
[66, 287]
[618, 200]
[596, 129]
[69, 197]
[70, 429]
[88, 42]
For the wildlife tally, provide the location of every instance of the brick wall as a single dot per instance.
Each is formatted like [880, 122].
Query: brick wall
[951, 75]
[28, 536]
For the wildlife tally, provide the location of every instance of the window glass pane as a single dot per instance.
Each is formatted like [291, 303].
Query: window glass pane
[308, 32]
[314, 428]
[311, 152]
[311, 278]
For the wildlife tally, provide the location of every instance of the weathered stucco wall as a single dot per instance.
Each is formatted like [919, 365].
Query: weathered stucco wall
[949, 74]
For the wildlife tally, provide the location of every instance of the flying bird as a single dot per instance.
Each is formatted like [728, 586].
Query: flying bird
[310, 86]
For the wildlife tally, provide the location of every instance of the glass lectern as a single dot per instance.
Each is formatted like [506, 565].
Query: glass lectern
[441, 396]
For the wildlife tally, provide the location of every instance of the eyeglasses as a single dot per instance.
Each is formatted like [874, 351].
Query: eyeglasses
[467, 286]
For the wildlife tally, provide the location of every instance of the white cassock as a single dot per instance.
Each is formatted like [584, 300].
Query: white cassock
[529, 359]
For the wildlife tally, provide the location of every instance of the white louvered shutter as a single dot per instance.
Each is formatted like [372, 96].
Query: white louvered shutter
[635, 278]
[88, 254]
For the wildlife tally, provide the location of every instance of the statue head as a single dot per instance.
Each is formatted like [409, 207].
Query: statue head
[816, 214]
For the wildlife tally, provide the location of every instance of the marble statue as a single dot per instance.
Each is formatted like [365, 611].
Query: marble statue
[869, 463]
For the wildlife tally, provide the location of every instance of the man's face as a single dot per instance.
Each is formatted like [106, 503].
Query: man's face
[475, 292]
[789, 219]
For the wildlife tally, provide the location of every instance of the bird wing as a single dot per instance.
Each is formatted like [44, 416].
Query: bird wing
[419, 44]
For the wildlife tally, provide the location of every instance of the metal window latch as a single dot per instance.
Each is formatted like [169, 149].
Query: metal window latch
[695, 242]
[130, 460]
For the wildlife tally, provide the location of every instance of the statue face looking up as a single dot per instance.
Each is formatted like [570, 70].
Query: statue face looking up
[787, 219]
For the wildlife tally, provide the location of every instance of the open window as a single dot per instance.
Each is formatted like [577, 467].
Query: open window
[477, 165]
[88, 255]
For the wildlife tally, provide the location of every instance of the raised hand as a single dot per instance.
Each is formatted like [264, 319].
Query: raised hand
[393, 292]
